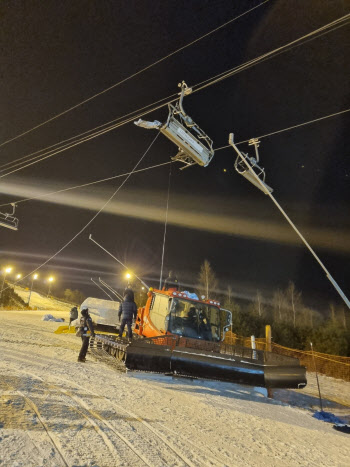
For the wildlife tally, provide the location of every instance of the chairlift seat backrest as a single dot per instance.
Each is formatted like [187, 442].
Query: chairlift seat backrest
[187, 143]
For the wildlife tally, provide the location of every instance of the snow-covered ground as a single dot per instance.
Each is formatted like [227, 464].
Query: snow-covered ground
[55, 411]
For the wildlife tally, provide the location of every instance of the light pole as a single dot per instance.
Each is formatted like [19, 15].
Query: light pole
[34, 277]
[18, 276]
[7, 271]
[128, 277]
[51, 279]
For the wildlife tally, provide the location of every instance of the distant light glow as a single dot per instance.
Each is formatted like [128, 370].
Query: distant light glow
[18, 276]
[35, 276]
[51, 279]
[128, 275]
[188, 212]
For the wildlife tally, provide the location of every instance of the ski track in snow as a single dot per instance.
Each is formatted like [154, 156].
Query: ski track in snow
[55, 411]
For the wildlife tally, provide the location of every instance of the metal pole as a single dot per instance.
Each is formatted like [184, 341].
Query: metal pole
[164, 237]
[110, 254]
[110, 288]
[252, 338]
[3, 283]
[102, 289]
[318, 383]
[329, 277]
[30, 293]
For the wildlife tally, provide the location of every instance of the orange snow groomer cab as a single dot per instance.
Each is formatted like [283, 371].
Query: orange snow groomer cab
[175, 313]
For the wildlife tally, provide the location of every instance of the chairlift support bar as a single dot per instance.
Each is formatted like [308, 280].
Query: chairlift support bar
[262, 186]
[110, 254]
[102, 289]
[108, 287]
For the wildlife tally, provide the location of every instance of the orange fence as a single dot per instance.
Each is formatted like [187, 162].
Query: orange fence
[329, 365]
[233, 339]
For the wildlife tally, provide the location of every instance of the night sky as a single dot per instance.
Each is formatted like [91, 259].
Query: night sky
[57, 54]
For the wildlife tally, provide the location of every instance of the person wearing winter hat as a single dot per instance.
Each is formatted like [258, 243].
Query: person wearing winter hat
[73, 315]
[85, 326]
[127, 311]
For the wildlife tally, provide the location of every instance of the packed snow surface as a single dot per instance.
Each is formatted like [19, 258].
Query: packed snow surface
[55, 411]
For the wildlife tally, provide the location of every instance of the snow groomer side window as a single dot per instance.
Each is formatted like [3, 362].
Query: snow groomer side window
[193, 319]
[159, 311]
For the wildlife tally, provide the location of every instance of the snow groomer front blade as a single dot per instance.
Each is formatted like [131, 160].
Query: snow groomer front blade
[217, 366]
[282, 371]
[143, 355]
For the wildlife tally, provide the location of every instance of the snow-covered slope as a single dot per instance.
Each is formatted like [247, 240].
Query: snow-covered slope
[41, 302]
[55, 411]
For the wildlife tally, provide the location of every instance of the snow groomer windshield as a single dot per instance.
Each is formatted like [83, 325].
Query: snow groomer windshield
[193, 319]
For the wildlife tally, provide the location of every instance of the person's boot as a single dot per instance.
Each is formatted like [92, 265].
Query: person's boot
[81, 359]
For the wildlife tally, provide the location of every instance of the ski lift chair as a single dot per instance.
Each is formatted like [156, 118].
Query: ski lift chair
[195, 147]
[249, 167]
[8, 220]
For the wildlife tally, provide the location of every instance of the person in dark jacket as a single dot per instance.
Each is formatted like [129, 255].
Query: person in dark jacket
[73, 314]
[171, 283]
[85, 326]
[127, 311]
[128, 291]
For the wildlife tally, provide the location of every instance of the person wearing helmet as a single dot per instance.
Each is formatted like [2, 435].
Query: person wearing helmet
[85, 326]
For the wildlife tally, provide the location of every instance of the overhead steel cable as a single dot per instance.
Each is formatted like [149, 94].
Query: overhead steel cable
[338, 23]
[306, 38]
[95, 215]
[113, 177]
[170, 162]
[28, 158]
[87, 138]
[288, 128]
[134, 74]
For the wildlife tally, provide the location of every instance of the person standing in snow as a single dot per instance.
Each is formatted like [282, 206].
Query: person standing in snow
[127, 311]
[73, 315]
[171, 283]
[85, 326]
